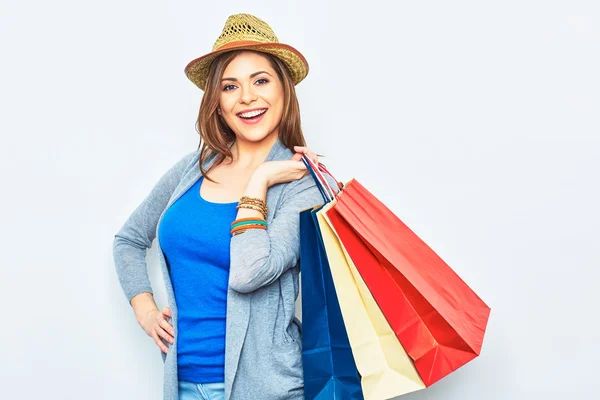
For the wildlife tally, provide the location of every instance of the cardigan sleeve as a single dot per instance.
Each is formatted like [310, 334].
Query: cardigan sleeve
[258, 256]
[131, 242]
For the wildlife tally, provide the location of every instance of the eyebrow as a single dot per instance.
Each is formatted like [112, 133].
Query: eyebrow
[251, 76]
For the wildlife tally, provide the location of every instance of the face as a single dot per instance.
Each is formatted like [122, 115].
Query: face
[251, 99]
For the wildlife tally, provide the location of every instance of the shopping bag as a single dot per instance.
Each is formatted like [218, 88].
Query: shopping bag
[329, 368]
[386, 369]
[439, 320]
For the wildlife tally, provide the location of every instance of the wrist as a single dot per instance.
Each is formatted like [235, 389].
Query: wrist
[260, 177]
[142, 304]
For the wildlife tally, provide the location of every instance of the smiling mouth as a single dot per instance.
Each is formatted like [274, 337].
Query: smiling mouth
[252, 114]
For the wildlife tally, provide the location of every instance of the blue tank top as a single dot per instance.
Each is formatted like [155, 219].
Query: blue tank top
[195, 237]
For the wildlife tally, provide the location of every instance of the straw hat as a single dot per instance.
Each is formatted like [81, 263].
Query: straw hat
[245, 31]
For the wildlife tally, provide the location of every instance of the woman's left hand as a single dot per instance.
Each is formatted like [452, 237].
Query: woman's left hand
[281, 171]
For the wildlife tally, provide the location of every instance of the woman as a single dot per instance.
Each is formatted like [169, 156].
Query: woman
[226, 219]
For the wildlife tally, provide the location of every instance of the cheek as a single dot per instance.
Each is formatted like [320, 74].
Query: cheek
[224, 103]
[276, 100]
[279, 108]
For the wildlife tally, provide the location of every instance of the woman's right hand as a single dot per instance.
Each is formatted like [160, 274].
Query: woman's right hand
[282, 171]
[155, 324]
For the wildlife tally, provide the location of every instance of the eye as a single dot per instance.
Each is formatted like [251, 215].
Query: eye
[262, 79]
[225, 88]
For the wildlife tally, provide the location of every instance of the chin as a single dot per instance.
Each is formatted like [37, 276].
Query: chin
[255, 136]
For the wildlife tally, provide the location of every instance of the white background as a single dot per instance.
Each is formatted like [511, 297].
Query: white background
[476, 122]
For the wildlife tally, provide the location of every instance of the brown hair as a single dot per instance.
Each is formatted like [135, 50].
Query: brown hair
[215, 134]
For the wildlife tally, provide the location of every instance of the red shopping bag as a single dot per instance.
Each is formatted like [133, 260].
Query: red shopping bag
[436, 316]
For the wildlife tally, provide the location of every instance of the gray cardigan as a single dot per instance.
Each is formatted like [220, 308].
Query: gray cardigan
[263, 356]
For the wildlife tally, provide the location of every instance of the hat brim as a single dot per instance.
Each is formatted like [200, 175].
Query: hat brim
[197, 69]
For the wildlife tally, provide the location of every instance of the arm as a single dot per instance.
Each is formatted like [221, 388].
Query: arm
[259, 257]
[135, 237]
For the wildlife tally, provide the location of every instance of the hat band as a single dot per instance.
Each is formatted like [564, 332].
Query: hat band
[239, 43]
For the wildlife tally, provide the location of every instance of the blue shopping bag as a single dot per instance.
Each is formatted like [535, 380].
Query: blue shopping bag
[329, 369]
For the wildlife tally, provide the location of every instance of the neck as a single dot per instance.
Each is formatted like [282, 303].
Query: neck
[249, 155]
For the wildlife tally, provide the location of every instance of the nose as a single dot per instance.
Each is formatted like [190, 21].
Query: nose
[247, 95]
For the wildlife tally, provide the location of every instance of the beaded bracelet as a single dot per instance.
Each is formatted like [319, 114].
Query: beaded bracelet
[255, 202]
[252, 207]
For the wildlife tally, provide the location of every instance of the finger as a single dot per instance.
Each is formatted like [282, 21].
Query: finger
[301, 149]
[159, 343]
[310, 155]
[297, 157]
[301, 165]
[306, 151]
[167, 311]
[164, 334]
[167, 327]
[160, 339]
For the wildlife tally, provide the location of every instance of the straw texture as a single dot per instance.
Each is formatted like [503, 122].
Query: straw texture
[245, 31]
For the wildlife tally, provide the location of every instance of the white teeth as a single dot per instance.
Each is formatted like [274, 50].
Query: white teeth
[252, 113]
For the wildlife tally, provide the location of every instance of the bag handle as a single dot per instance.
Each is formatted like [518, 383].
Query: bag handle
[310, 169]
[320, 180]
[322, 168]
[321, 177]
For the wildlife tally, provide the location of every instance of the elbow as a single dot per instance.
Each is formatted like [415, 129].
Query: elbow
[241, 286]
[117, 243]
[250, 262]
[247, 275]
[121, 239]
[254, 263]
[245, 278]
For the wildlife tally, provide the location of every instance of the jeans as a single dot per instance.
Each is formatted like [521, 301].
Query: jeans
[201, 391]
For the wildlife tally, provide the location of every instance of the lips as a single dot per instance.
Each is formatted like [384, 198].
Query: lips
[251, 110]
[252, 120]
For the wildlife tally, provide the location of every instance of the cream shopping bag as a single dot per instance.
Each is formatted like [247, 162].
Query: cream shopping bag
[385, 367]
